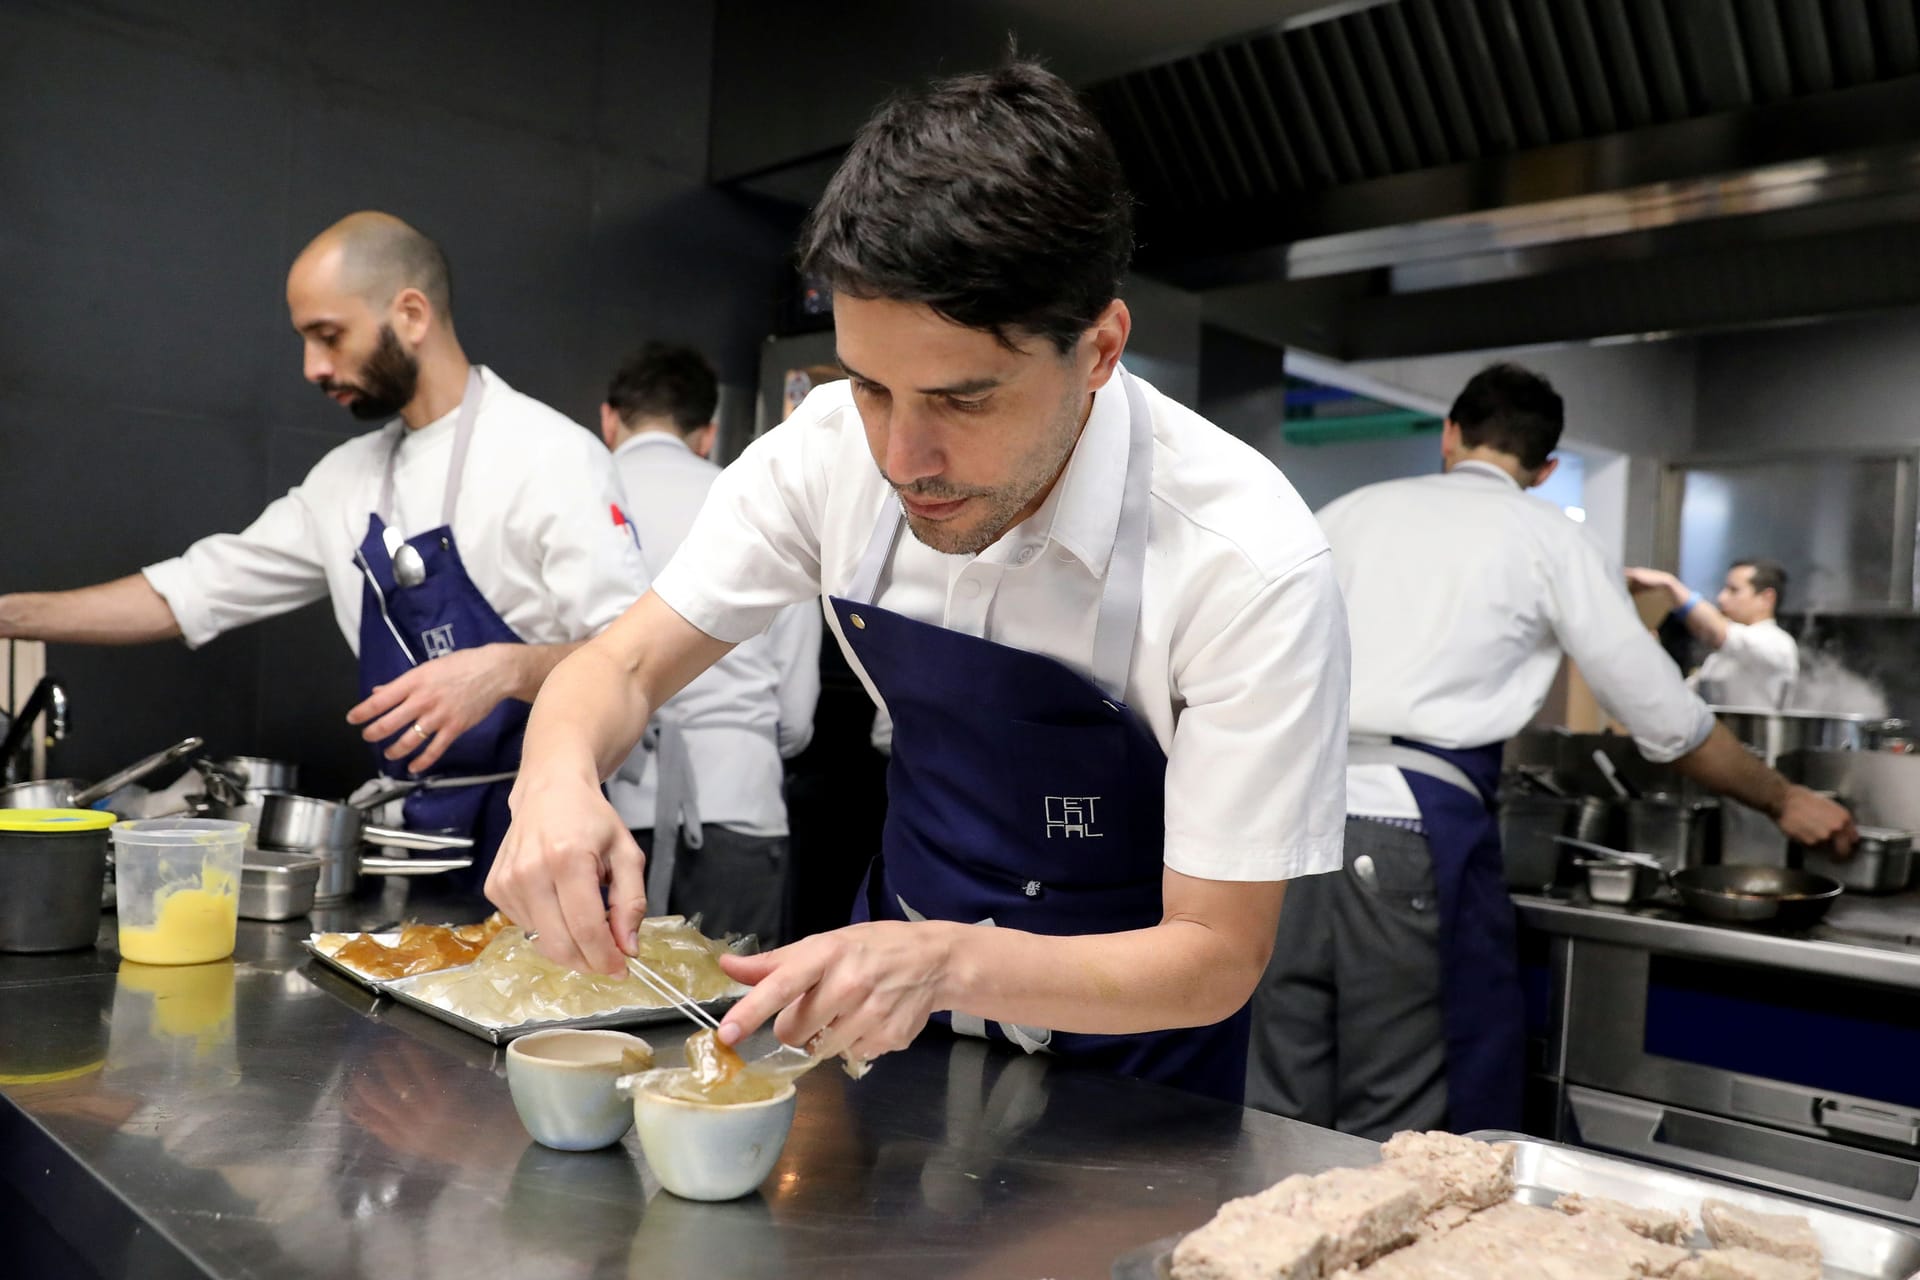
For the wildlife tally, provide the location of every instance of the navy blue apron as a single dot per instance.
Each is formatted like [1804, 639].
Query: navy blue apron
[1479, 948]
[1025, 795]
[402, 626]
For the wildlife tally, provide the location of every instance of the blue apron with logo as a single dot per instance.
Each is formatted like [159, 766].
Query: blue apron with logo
[403, 626]
[1024, 795]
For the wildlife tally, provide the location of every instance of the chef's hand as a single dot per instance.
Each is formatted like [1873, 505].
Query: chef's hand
[1812, 819]
[1640, 581]
[435, 702]
[565, 843]
[860, 991]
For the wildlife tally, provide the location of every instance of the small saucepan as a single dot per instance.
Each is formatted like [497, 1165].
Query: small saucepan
[1777, 897]
[335, 832]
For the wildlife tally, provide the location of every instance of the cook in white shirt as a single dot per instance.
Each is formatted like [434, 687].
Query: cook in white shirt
[536, 523]
[1092, 584]
[713, 762]
[1753, 662]
[1392, 997]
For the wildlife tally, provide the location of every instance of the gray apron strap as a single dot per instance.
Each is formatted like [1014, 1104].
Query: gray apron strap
[1384, 751]
[873, 561]
[1119, 618]
[456, 464]
[676, 809]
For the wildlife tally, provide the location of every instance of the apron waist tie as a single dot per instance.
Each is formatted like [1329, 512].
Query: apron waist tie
[1412, 759]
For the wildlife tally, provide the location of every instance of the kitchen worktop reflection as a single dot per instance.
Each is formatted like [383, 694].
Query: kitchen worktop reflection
[264, 1116]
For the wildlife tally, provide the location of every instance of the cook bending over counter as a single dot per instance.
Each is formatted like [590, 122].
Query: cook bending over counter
[1107, 633]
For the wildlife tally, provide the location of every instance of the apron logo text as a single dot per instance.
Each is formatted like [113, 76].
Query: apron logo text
[1071, 816]
[438, 641]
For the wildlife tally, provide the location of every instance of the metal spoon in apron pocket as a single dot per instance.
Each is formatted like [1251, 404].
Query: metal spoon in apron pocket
[409, 570]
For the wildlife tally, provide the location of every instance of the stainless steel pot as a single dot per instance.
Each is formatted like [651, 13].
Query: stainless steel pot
[72, 793]
[335, 832]
[1679, 833]
[1882, 861]
[235, 785]
[258, 773]
[1528, 825]
[1774, 734]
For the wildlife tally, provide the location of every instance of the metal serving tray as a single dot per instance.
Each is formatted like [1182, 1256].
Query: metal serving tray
[399, 990]
[1855, 1247]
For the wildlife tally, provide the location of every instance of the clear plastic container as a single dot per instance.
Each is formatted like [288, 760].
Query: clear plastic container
[177, 886]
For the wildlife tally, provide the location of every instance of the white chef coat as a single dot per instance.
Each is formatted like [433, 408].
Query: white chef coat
[747, 712]
[535, 526]
[1754, 667]
[1240, 662]
[1462, 592]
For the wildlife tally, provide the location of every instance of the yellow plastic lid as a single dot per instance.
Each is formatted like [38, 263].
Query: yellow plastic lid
[54, 822]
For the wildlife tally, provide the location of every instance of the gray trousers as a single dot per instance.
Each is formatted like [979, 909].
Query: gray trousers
[735, 883]
[1347, 1029]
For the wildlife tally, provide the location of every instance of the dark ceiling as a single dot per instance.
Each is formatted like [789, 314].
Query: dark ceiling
[1410, 176]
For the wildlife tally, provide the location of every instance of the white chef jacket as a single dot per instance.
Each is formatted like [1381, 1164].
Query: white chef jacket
[747, 712]
[535, 526]
[1754, 667]
[1462, 592]
[1240, 661]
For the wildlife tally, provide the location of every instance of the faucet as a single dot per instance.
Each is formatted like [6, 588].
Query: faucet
[48, 696]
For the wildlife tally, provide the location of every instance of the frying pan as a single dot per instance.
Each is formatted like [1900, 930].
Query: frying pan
[1778, 897]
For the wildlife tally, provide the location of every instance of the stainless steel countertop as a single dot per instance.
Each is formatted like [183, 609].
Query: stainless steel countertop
[265, 1117]
[1874, 939]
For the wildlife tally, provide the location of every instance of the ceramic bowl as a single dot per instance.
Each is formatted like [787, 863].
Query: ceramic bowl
[701, 1151]
[562, 1083]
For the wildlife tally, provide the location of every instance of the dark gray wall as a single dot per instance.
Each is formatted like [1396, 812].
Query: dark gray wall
[161, 161]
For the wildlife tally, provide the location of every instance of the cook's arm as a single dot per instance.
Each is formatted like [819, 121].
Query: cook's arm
[1707, 624]
[566, 841]
[125, 611]
[1723, 765]
[869, 989]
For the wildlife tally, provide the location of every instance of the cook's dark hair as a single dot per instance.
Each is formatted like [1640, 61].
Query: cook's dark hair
[1768, 575]
[1512, 409]
[665, 381]
[996, 199]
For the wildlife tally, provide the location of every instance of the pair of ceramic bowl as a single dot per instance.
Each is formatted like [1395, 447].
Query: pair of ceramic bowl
[565, 1088]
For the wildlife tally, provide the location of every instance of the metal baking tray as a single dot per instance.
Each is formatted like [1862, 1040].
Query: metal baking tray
[1854, 1247]
[398, 989]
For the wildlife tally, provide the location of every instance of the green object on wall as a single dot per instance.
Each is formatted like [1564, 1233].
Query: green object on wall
[1348, 428]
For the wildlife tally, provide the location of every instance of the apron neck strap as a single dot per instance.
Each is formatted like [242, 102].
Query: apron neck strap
[456, 463]
[1120, 593]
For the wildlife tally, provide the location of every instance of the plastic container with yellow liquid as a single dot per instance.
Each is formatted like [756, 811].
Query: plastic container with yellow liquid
[177, 886]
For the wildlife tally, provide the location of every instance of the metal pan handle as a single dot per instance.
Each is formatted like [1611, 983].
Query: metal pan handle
[395, 838]
[134, 772]
[375, 865]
